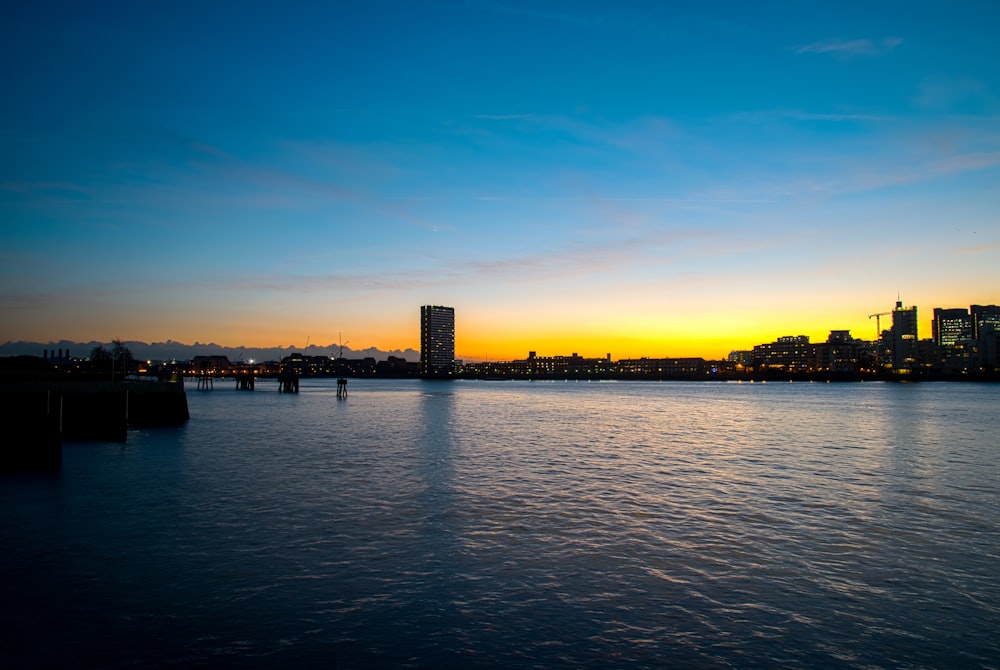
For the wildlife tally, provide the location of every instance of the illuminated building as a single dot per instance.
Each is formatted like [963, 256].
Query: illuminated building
[790, 352]
[904, 338]
[951, 326]
[984, 315]
[211, 364]
[986, 331]
[843, 353]
[437, 341]
[574, 365]
[661, 368]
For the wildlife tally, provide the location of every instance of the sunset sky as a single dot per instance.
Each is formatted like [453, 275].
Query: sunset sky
[633, 178]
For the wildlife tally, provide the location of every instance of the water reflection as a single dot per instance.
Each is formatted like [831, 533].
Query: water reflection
[545, 525]
[435, 444]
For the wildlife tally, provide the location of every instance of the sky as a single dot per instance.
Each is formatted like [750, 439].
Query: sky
[635, 178]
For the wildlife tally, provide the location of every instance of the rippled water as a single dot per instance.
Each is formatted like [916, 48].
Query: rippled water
[481, 524]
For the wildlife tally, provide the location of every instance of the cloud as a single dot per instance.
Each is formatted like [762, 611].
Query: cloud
[770, 115]
[979, 249]
[599, 257]
[834, 117]
[866, 173]
[851, 48]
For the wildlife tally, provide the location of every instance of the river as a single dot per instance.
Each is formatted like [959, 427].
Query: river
[520, 524]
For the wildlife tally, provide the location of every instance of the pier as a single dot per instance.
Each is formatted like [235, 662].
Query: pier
[244, 379]
[206, 381]
[288, 382]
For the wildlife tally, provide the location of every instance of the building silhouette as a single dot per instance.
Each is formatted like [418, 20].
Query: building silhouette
[904, 338]
[983, 317]
[986, 331]
[437, 341]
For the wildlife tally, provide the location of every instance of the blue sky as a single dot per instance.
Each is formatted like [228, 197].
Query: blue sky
[639, 178]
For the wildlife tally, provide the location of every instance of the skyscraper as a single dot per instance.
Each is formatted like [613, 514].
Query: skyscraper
[437, 341]
[904, 339]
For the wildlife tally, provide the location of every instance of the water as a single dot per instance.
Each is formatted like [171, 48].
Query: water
[549, 525]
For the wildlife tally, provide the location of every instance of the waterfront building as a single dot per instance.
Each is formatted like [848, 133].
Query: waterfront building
[843, 353]
[662, 368]
[326, 366]
[988, 349]
[951, 326]
[983, 316]
[986, 335]
[394, 366]
[793, 353]
[210, 364]
[740, 358]
[904, 338]
[437, 341]
[576, 366]
[573, 365]
[951, 349]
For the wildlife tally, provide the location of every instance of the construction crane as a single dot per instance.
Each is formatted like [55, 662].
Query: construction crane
[340, 338]
[878, 335]
[878, 323]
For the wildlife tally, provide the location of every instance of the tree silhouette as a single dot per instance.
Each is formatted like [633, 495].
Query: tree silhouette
[120, 352]
[118, 360]
[99, 353]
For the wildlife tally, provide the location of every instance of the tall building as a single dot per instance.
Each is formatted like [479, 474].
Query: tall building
[951, 326]
[986, 331]
[437, 341]
[904, 338]
[984, 316]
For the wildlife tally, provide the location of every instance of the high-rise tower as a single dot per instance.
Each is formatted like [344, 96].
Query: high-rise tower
[437, 341]
[904, 339]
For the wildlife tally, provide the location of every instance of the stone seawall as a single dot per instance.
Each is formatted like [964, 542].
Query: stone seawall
[32, 436]
[38, 416]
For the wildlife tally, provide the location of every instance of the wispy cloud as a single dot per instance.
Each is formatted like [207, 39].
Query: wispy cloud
[770, 115]
[871, 173]
[833, 117]
[979, 249]
[851, 48]
[599, 257]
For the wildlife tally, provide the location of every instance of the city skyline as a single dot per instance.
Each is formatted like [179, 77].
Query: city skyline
[950, 327]
[569, 177]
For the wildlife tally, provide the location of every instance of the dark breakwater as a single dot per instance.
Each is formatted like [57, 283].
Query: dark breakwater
[38, 416]
[32, 435]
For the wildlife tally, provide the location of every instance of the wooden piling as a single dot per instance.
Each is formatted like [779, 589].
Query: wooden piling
[288, 382]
